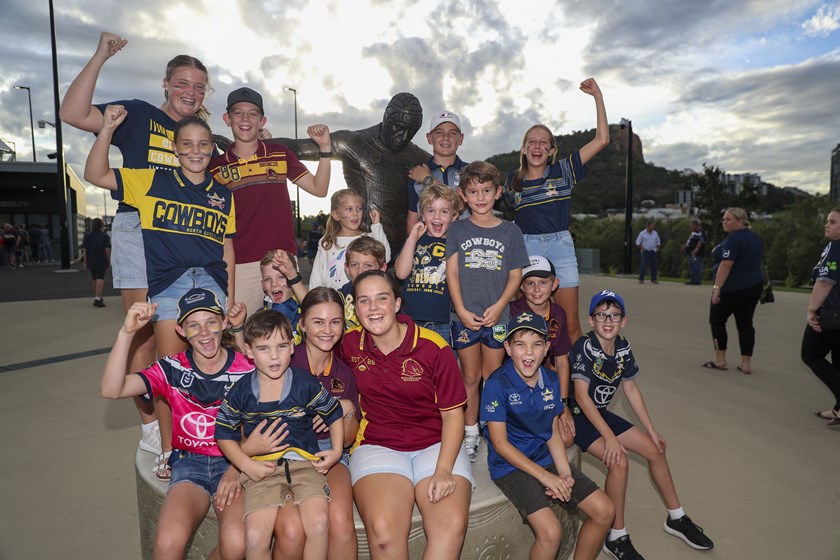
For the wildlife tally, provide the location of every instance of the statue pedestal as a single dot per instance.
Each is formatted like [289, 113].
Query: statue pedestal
[495, 529]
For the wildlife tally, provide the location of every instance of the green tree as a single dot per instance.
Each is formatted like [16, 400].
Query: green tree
[715, 196]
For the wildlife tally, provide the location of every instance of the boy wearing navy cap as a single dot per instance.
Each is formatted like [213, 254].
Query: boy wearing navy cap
[601, 361]
[526, 455]
[539, 281]
[257, 173]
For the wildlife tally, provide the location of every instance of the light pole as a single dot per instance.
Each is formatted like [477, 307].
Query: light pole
[64, 231]
[297, 199]
[31, 126]
[628, 199]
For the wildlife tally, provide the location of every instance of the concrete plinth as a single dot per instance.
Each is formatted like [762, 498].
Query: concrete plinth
[495, 531]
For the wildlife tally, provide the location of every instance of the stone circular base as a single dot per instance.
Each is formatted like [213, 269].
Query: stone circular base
[495, 531]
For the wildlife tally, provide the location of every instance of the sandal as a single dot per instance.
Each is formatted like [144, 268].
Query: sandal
[744, 371]
[161, 469]
[829, 414]
[711, 365]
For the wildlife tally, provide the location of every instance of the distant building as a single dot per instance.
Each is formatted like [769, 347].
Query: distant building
[737, 182]
[834, 189]
[29, 195]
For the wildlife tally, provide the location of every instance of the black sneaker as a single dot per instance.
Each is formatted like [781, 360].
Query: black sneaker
[98, 303]
[622, 549]
[685, 529]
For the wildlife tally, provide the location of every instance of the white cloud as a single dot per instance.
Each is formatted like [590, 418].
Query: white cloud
[824, 22]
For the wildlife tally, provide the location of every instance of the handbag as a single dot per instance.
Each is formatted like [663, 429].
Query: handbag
[767, 294]
[829, 318]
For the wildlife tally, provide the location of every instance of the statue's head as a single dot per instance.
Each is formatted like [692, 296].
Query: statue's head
[402, 119]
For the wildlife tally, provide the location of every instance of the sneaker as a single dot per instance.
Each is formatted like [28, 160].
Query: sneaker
[622, 549]
[98, 303]
[471, 445]
[685, 529]
[151, 440]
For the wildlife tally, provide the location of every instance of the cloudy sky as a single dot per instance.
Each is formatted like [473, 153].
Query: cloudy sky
[750, 86]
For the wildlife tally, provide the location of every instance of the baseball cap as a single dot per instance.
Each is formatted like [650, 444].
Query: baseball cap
[444, 117]
[606, 295]
[538, 266]
[247, 95]
[198, 299]
[527, 320]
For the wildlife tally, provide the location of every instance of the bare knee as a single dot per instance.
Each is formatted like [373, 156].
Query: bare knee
[383, 535]
[257, 539]
[232, 544]
[550, 535]
[170, 542]
[316, 524]
[599, 509]
[342, 526]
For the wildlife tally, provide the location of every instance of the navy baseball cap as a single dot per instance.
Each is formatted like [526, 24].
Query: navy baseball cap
[198, 299]
[246, 95]
[606, 295]
[538, 266]
[527, 320]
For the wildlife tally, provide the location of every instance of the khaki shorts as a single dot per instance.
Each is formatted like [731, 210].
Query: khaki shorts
[297, 480]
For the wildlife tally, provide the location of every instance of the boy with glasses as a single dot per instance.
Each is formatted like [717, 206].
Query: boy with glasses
[602, 360]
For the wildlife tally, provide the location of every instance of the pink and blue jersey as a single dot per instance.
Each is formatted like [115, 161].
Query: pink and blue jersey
[194, 396]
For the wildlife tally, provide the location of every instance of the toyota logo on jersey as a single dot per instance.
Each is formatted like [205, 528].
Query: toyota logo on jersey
[200, 427]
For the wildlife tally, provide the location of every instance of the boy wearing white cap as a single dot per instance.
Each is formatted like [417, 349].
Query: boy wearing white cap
[444, 167]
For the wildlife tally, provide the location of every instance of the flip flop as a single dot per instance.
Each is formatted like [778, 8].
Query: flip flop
[826, 414]
[743, 370]
[712, 365]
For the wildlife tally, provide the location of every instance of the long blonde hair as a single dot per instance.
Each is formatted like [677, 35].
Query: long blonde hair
[334, 226]
[523, 159]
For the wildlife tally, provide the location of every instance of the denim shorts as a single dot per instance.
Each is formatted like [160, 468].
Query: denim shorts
[491, 337]
[128, 259]
[414, 465]
[443, 329]
[204, 471]
[167, 300]
[325, 445]
[559, 248]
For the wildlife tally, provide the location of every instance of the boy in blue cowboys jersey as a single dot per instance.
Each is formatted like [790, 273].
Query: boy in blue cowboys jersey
[444, 168]
[277, 391]
[526, 454]
[601, 361]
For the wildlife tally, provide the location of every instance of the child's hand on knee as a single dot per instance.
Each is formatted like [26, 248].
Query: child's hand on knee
[228, 490]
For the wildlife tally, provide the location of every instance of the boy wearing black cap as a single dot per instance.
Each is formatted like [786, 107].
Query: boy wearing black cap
[257, 173]
[526, 456]
[194, 383]
[539, 281]
[601, 361]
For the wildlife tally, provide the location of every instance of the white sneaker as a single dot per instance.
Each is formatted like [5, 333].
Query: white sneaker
[471, 443]
[151, 439]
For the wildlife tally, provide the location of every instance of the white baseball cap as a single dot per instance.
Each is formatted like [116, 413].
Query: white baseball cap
[444, 117]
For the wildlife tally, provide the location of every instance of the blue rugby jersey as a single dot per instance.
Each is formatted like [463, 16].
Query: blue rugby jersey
[184, 225]
[602, 372]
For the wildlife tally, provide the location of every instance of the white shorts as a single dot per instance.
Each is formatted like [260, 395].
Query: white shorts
[414, 465]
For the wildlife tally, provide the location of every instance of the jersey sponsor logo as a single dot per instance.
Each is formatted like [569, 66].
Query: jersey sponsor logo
[726, 254]
[514, 399]
[489, 259]
[603, 395]
[186, 218]
[198, 426]
[549, 406]
[492, 406]
[411, 370]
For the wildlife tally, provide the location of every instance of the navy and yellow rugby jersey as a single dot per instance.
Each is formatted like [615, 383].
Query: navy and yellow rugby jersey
[302, 397]
[144, 138]
[601, 371]
[184, 225]
[542, 206]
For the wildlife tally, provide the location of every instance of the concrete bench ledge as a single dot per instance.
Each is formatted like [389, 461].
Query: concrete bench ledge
[495, 530]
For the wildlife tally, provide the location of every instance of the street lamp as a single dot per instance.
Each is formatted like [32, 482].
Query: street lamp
[43, 124]
[61, 191]
[31, 126]
[628, 198]
[297, 200]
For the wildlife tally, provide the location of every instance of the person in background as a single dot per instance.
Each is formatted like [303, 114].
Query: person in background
[738, 284]
[648, 243]
[695, 247]
[97, 246]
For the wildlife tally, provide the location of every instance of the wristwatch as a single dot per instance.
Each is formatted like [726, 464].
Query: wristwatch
[428, 180]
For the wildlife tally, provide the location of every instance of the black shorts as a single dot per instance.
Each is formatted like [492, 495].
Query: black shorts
[586, 434]
[528, 495]
[98, 274]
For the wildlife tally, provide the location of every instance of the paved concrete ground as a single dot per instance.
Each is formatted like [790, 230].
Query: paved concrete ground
[752, 465]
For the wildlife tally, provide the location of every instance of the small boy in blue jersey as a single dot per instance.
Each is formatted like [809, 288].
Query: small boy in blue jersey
[601, 360]
[526, 455]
